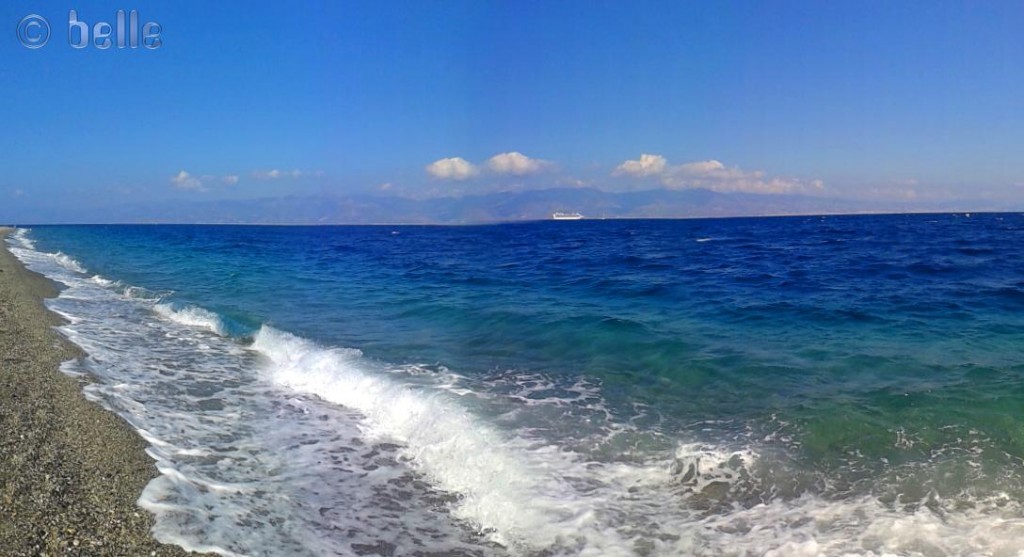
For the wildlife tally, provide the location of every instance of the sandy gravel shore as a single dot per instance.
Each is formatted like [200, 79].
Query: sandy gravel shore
[70, 472]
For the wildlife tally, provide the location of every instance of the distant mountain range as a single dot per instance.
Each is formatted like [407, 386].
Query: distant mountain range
[493, 207]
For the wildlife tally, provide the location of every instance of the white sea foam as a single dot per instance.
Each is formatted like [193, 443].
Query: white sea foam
[530, 494]
[22, 246]
[192, 316]
[144, 294]
[69, 263]
[862, 527]
[105, 282]
[20, 236]
[498, 488]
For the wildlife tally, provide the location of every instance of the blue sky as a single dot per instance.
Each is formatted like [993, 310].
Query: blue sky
[897, 101]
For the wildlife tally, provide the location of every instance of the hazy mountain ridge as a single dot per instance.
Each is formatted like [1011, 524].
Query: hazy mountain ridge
[487, 208]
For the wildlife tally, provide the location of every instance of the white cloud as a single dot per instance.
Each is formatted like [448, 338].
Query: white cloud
[517, 164]
[647, 165]
[267, 174]
[454, 168]
[511, 163]
[276, 174]
[712, 175]
[185, 181]
[707, 168]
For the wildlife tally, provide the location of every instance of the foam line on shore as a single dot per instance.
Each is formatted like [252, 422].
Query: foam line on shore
[70, 472]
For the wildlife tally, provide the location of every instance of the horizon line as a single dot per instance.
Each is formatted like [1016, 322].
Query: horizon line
[521, 221]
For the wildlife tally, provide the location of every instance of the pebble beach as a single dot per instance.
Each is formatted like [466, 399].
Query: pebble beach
[70, 472]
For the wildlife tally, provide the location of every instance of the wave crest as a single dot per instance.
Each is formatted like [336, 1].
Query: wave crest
[192, 316]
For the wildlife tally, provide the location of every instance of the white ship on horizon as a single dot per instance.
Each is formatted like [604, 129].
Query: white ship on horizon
[566, 216]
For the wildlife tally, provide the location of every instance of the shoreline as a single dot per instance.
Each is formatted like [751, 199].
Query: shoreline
[70, 471]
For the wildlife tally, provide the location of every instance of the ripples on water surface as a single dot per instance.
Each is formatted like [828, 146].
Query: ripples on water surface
[787, 386]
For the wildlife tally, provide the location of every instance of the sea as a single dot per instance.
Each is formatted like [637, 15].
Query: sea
[792, 386]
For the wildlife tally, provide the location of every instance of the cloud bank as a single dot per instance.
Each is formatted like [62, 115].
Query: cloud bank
[453, 168]
[712, 175]
[184, 180]
[647, 165]
[707, 174]
[512, 163]
[275, 174]
[517, 164]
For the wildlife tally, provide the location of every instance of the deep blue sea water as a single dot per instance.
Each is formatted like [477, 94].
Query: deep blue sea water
[770, 386]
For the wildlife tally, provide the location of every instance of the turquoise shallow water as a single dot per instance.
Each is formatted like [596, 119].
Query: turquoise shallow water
[825, 385]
